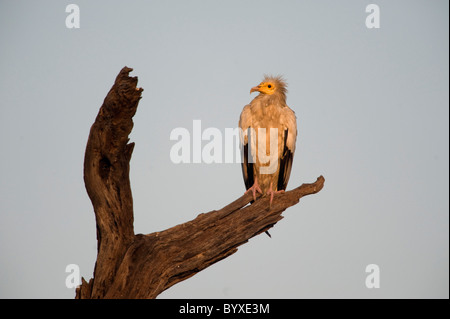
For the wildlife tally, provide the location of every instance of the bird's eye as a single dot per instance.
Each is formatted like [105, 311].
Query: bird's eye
[269, 86]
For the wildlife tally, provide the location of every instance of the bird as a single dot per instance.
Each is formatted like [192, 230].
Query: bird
[268, 134]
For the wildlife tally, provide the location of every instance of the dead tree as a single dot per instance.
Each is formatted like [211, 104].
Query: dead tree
[142, 266]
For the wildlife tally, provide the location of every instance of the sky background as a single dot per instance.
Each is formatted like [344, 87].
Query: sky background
[373, 119]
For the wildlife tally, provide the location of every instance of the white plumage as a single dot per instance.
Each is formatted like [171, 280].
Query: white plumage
[267, 160]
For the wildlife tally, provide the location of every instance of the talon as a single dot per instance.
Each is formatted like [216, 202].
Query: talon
[255, 188]
[271, 192]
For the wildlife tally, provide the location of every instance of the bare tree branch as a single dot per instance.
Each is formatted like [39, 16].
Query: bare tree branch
[142, 266]
[106, 176]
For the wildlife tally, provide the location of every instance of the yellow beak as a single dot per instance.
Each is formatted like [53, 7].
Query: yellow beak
[255, 89]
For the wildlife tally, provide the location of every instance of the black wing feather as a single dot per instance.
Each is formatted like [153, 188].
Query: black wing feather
[285, 165]
[247, 168]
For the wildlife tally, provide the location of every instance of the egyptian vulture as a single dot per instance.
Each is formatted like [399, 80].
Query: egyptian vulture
[268, 130]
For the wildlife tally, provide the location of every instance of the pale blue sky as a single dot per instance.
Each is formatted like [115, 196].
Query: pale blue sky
[372, 107]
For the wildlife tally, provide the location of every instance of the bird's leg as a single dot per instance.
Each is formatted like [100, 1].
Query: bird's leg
[271, 192]
[255, 188]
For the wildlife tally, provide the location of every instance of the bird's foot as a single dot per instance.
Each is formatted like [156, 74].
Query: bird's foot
[271, 193]
[255, 188]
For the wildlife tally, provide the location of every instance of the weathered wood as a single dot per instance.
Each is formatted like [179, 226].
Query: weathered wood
[159, 260]
[106, 177]
[142, 266]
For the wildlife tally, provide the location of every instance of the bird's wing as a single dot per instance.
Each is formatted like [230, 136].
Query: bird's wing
[245, 122]
[289, 137]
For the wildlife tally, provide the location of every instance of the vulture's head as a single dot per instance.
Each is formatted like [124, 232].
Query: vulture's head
[271, 85]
